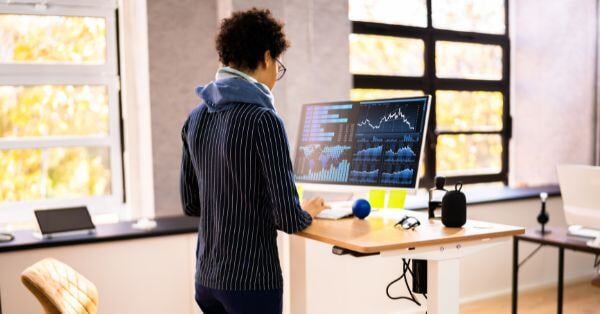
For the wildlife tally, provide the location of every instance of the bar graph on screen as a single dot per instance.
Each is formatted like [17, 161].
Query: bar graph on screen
[324, 163]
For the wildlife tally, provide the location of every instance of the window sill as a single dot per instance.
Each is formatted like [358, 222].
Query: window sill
[487, 195]
[24, 239]
[166, 226]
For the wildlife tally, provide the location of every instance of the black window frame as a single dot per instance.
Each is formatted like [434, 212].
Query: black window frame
[429, 83]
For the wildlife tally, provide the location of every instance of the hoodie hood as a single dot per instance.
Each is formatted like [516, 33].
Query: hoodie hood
[231, 88]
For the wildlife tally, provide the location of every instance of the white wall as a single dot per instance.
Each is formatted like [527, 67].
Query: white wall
[153, 275]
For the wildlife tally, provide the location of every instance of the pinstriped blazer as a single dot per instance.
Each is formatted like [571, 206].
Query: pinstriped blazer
[237, 177]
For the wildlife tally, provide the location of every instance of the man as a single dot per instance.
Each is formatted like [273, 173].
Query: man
[236, 172]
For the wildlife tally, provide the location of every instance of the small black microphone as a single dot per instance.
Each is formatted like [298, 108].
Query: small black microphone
[543, 216]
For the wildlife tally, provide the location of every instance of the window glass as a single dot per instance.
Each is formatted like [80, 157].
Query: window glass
[468, 111]
[20, 174]
[77, 172]
[45, 110]
[468, 61]
[481, 16]
[466, 154]
[33, 174]
[52, 39]
[405, 12]
[385, 55]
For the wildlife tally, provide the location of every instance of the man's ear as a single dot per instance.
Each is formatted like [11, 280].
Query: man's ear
[267, 59]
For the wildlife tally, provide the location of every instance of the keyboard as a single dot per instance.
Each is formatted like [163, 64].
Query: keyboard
[579, 231]
[338, 210]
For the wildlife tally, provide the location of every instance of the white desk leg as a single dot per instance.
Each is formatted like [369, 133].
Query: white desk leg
[442, 286]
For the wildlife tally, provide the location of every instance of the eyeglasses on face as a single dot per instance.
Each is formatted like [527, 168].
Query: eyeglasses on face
[281, 69]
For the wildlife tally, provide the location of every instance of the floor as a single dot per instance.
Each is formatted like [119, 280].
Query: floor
[579, 298]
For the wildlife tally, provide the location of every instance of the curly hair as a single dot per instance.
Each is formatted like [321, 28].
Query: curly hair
[245, 36]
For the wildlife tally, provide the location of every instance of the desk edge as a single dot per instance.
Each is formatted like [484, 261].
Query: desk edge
[399, 246]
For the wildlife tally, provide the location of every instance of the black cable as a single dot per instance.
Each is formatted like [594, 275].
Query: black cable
[412, 296]
[412, 275]
[387, 290]
[405, 269]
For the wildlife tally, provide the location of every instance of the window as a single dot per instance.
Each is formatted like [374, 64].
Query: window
[455, 50]
[60, 141]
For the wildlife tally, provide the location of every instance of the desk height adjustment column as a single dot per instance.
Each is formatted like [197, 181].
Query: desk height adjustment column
[442, 286]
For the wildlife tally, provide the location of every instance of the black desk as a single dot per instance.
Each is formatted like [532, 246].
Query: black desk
[558, 238]
[25, 240]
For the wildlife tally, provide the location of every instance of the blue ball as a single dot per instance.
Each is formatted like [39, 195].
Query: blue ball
[361, 208]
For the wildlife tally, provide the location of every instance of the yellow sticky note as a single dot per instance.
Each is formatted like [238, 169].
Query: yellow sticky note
[397, 198]
[377, 198]
[300, 190]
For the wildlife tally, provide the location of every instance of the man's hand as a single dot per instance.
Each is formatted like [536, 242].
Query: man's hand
[314, 206]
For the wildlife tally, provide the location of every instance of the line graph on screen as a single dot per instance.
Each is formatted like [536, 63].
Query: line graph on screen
[388, 117]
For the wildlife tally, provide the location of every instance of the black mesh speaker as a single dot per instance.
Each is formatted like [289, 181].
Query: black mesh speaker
[454, 208]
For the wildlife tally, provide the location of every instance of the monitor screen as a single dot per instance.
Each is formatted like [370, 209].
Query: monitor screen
[365, 143]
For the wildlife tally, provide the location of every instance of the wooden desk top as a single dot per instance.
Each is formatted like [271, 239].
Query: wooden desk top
[559, 237]
[377, 233]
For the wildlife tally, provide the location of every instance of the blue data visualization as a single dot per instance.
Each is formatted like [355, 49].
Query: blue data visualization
[389, 117]
[400, 176]
[329, 123]
[375, 143]
[398, 150]
[368, 148]
[364, 176]
[323, 163]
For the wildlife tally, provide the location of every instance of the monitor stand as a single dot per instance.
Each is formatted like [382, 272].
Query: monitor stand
[48, 236]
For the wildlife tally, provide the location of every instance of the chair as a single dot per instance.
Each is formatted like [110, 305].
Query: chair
[59, 288]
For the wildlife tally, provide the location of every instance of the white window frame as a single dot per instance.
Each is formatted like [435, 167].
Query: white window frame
[70, 74]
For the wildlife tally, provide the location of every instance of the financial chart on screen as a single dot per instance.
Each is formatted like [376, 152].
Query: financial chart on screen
[373, 143]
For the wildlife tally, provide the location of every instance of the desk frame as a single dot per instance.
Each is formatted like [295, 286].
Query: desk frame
[443, 270]
[557, 237]
[442, 247]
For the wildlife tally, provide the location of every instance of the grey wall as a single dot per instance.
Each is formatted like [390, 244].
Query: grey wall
[553, 83]
[317, 60]
[182, 56]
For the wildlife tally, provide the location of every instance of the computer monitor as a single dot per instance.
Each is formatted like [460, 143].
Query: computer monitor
[579, 186]
[362, 143]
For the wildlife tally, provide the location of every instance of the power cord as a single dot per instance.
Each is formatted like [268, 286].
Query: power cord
[405, 269]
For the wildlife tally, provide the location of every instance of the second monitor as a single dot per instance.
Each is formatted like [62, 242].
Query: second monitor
[364, 143]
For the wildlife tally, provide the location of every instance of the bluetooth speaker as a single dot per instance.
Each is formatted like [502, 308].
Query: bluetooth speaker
[454, 208]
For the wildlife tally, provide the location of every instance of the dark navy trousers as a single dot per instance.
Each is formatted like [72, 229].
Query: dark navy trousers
[212, 301]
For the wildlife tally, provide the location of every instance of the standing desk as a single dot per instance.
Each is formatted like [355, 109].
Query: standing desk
[442, 247]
